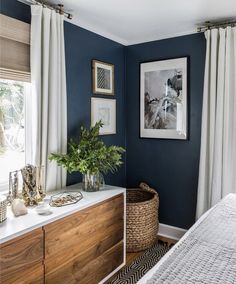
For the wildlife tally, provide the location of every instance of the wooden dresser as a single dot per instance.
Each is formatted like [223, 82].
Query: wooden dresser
[85, 246]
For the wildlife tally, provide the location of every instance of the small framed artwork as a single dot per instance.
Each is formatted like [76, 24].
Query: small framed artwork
[104, 110]
[163, 99]
[103, 78]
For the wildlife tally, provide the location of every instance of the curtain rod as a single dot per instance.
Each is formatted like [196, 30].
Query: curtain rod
[214, 25]
[59, 8]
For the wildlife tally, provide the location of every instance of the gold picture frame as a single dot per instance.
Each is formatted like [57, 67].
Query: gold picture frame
[103, 78]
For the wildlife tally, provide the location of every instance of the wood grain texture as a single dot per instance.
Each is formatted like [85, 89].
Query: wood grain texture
[32, 275]
[76, 228]
[85, 250]
[72, 244]
[21, 259]
[91, 273]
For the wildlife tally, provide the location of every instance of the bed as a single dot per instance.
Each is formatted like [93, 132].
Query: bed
[206, 254]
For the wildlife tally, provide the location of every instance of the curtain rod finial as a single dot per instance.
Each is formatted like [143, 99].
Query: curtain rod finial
[61, 6]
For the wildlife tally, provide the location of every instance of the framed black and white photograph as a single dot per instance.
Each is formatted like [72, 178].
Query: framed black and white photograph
[163, 99]
[104, 110]
[103, 78]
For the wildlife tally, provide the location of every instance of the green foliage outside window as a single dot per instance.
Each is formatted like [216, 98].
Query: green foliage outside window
[11, 116]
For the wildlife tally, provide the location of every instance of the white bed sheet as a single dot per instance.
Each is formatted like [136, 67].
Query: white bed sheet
[151, 272]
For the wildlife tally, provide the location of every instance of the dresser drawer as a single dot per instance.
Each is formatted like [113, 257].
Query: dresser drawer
[21, 259]
[87, 239]
[78, 271]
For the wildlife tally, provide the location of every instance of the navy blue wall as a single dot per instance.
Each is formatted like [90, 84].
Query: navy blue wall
[170, 166]
[15, 9]
[81, 46]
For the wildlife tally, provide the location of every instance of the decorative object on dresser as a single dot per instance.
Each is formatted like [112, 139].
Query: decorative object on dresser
[103, 77]
[104, 110]
[18, 207]
[65, 198]
[43, 209]
[91, 157]
[28, 184]
[13, 185]
[163, 99]
[3, 208]
[33, 190]
[142, 218]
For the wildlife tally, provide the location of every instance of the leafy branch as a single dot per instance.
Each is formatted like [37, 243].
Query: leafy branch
[91, 155]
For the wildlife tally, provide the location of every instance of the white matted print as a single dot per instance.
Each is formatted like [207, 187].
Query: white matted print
[104, 110]
[103, 78]
[163, 99]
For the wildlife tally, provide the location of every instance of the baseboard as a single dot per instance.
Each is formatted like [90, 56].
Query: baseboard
[171, 232]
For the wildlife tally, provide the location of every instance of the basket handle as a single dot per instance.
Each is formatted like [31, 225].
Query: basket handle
[146, 187]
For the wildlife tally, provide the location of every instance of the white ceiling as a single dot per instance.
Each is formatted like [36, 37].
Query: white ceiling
[136, 21]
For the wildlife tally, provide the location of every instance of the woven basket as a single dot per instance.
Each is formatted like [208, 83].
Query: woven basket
[142, 218]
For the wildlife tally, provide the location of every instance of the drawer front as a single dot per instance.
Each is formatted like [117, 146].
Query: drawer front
[32, 275]
[92, 272]
[21, 255]
[73, 243]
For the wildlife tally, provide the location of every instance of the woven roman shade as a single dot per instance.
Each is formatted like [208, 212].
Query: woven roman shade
[14, 49]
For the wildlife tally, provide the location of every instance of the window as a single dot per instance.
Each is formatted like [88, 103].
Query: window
[14, 73]
[12, 127]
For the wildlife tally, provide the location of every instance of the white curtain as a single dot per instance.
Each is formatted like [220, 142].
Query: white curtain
[217, 172]
[48, 104]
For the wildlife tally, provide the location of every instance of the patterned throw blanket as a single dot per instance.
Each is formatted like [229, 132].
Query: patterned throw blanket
[208, 254]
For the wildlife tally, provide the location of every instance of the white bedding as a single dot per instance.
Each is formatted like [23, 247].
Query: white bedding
[205, 254]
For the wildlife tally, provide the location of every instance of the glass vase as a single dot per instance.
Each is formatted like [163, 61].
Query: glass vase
[91, 182]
